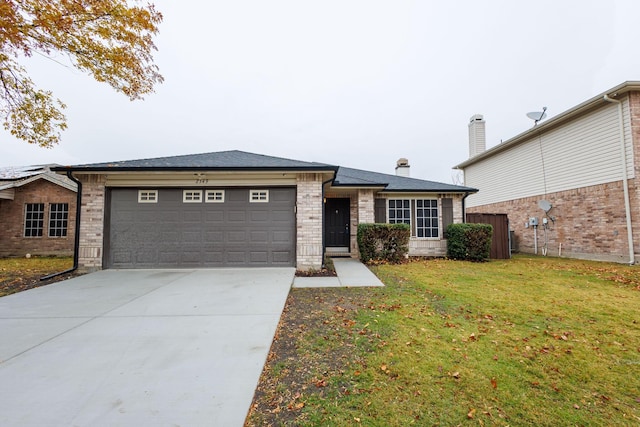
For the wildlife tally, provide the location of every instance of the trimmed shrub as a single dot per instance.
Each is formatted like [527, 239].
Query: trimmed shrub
[383, 242]
[470, 242]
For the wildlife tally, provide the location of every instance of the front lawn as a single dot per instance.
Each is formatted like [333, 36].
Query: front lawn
[528, 341]
[20, 274]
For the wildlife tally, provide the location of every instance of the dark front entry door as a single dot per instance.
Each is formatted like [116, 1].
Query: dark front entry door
[336, 216]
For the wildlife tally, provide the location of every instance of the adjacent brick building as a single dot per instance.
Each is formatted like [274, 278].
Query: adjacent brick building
[576, 175]
[37, 212]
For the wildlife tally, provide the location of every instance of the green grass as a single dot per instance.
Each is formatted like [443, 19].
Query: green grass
[17, 274]
[528, 341]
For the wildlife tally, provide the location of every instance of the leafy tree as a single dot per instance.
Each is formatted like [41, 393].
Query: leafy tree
[108, 39]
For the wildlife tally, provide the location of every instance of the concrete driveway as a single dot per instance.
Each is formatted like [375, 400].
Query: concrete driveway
[139, 347]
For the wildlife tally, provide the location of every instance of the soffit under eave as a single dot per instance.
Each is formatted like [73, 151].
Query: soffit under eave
[204, 178]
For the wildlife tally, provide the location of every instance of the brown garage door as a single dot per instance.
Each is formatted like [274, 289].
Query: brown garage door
[182, 228]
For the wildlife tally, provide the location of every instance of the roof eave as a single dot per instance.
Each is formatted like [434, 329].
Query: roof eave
[561, 118]
[309, 169]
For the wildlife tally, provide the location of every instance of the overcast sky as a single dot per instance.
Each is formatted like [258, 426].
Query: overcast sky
[357, 83]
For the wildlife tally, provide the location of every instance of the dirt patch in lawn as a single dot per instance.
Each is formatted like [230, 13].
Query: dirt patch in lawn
[304, 360]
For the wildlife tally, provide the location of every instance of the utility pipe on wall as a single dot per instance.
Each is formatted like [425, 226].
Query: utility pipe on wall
[625, 177]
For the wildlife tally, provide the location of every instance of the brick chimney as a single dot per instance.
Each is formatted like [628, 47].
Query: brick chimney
[477, 139]
[402, 167]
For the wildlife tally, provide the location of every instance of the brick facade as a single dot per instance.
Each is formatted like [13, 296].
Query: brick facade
[362, 203]
[588, 222]
[12, 212]
[92, 212]
[309, 222]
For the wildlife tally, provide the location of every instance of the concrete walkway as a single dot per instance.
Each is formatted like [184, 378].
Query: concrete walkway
[139, 347]
[350, 273]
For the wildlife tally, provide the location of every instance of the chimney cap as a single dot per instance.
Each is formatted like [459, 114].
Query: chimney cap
[402, 162]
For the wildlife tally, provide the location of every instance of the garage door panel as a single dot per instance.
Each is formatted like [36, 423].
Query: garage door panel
[281, 257]
[260, 236]
[261, 257]
[214, 217]
[236, 216]
[171, 233]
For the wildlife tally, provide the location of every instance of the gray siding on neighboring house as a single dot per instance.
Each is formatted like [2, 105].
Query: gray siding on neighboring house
[581, 153]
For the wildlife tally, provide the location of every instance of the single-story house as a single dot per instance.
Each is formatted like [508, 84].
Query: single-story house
[570, 184]
[37, 212]
[239, 209]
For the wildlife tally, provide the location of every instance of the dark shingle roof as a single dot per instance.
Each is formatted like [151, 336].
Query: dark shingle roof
[347, 177]
[243, 161]
[222, 160]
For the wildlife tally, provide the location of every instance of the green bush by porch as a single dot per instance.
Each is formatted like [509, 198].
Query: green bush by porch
[383, 242]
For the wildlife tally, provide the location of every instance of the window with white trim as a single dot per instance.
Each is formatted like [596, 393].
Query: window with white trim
[399, 211]
[214, 196]
[192, 196]
[33, 219]
[427, 218]
[259, 196]
[58, 219]
[147, 196]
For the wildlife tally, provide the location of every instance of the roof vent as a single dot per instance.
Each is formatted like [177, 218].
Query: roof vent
[402, 167]
[477, 138]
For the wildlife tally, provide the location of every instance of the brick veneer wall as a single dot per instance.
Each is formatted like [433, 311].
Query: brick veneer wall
[589, 222]
[92, 222]
[309, 222]
[12, 212]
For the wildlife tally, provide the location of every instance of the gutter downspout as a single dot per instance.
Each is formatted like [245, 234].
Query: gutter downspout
[323, 221]
[76, 244]
[625, 177]
[464, 208]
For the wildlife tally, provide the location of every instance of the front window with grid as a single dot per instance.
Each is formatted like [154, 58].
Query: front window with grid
[427, 218]
[259, 196]
[58, 219]
[34, 219]
[399, 211]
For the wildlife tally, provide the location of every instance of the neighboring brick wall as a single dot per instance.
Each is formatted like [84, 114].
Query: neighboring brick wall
[309, 221]
[589, 222]
[92, 222]
[12, 215]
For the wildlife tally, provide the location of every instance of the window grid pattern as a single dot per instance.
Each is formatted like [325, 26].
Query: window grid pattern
[58, 219]
[34, 220]
[192, 196]
[214, 196]
[427, 218]
[399, 211]
[147, 196]
[259, 196]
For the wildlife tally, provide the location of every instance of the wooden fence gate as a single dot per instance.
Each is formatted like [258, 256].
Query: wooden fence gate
[500, 243]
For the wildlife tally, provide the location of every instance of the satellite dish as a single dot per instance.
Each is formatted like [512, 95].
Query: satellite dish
[544, 205]
[536, 116]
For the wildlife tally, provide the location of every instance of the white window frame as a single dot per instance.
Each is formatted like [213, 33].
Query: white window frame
[147, 196]
[437, 218]
[259, 196]
[217, 196]
[413, 215]
[58, 219]
[396, 209]
[191, 196]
